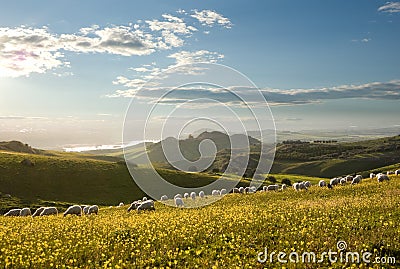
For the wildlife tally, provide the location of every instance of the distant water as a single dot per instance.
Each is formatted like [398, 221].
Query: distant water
[83, 148]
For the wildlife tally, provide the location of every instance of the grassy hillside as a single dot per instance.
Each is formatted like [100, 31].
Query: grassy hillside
[227, 234]
[66, 178]
[311, 159]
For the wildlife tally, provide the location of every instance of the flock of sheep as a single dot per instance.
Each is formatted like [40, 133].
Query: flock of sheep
[47, 211]
[148, 204]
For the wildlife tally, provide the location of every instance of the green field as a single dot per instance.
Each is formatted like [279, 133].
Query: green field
[226, 234]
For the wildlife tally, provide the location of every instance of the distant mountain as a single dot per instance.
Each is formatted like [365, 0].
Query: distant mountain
[16, 146]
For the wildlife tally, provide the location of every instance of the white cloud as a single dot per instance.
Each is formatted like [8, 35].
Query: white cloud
[183, 62]
[210, 18]
[390, 7]
[26, 50]
[37, 50]
[191, 57]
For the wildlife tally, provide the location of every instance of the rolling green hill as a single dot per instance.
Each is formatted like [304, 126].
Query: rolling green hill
[324, 159]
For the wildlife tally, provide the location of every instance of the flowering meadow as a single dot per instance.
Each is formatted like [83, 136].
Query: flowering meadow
[227, 234]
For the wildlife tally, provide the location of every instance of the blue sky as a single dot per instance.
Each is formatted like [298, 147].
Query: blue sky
[327, 64]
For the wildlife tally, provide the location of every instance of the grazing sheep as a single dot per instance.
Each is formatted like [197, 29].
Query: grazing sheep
[178, 196]
[179, 202]
[335, 181]
[349, 178]
[86, 210]
[193, 195]
[201, 194]
[38, 211]
[241, 190]
[146, 205]
[372, 175]
[343, 181]
[265, 188]
[296, 186]
[330, 186]
[322, 183]
[389, 173]
[215, 193]
[164, 198]
[73, 210]
[357, 179]
[273, 187]
[186, 195]
[121, 204]
[134, 205]
[94, 209]
[144, 198]
[284, 186]
[302, 186]
[49, 211]
[382, 177]
[25, 212]
[253, 189]
[308, 184]
[223, 191]
[13, 213]
[235, 190]
[247, 190]
[397, 172]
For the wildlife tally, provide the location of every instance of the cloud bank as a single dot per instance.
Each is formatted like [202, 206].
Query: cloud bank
[26, 50]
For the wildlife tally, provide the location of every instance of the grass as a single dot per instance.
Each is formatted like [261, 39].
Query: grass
[226, 234]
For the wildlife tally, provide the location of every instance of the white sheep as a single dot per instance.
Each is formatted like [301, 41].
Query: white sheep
[179, 202]
[253, 189]
[235, 190]
[349, 178]
[335, 181]
[296, 186]
[343, 181]
[322, 183]
[223, 191]
[49, 211]
[397, 172]
[144, 198]
[201, 194]
[372, 175]
[247, 190]
[13, 213]
[382, 177]
[73, 210]
[134, 205]
[146, 205]
[178, 196]
[284, 186]
[308, 184]
[25, 212]
[121, 204]
[38, 211]
[94, 209]
[241, 190]
[215, 193]
[193, 195]
[85, 209]
[164, 198]
[357, 179]
[302, 186]
[389, 173]
[274, 187]
[186, 195]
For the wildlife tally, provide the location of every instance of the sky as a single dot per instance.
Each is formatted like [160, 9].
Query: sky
[70, 69]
